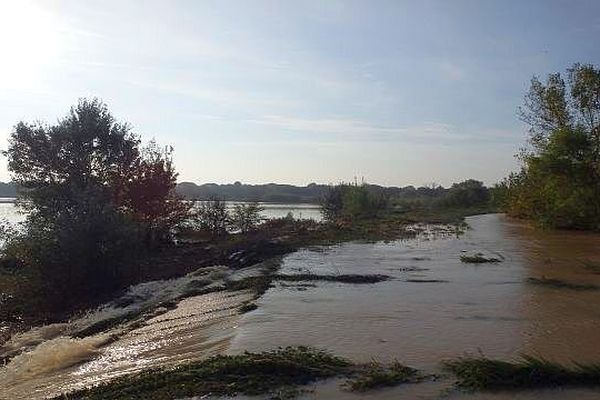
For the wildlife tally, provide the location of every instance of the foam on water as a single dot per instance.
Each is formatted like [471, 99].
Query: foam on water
[52, 355]
[164, 323]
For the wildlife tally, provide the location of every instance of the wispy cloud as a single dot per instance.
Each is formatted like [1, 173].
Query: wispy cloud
[339, 130]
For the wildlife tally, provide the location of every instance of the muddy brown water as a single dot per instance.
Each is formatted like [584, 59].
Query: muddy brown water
[487, 309]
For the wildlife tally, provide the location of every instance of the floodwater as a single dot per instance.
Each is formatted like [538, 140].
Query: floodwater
[435, 308]
[10, 213]
[471, 309]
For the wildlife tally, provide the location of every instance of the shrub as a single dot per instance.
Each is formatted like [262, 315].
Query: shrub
[352, 201]
[211, 216]
[246, 217]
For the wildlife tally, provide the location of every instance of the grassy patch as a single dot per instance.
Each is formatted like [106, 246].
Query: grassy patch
[558, 284]
[278, 373]
[478, 258]
[376, 375]
[343, 278]
[249, 374]
[484, 373]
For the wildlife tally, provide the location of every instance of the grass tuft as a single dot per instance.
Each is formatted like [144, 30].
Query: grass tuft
[480, 373]
[376, 375]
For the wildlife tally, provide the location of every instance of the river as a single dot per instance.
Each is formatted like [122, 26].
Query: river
[10, 213]
[435, 308]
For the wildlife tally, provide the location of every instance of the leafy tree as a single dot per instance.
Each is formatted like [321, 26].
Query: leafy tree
[88, 151]
[246, 217]
[466, 194]
[91, 195]
[559, 184]
[147, 192]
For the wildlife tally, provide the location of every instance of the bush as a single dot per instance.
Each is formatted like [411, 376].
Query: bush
[211, 216]
[246, 217]
[352, 201]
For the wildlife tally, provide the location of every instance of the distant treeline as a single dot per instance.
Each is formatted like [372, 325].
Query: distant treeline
[277, 193]
[281, 193]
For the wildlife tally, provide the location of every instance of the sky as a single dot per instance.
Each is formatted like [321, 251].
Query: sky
[398, 92]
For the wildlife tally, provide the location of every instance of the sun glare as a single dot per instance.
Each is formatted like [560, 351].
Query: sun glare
[29, 43]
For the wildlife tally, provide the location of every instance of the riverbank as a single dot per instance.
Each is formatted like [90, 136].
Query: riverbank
[193, 251]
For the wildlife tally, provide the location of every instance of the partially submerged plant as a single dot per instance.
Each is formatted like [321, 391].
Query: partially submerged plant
[375, 375]
[481, 373]
[279, 373]
[225, 375]
[479, 258]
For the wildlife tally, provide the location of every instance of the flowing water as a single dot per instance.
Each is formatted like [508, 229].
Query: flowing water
[435, 308]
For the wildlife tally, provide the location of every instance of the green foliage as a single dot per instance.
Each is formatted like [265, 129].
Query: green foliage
[375, 375]
[95, 200]
[147, 192]
[559, 183]
[352, 201]
[487, 374]
[211, 216]
[246, 217]
[466, 194]
[224, 375]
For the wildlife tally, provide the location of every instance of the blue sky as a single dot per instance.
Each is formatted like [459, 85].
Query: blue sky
[400, 92]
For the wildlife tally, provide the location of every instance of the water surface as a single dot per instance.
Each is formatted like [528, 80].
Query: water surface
[435, 308]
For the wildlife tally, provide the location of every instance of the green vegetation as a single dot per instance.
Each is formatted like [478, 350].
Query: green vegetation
[352, 201]
[478, 258]
[559, 182]
[558, 284]
[482, 373]
[96, 200]
[210, 216]
[275, 373]
[246, 217]
[469, 193]
[223, 375]
[376, 375]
